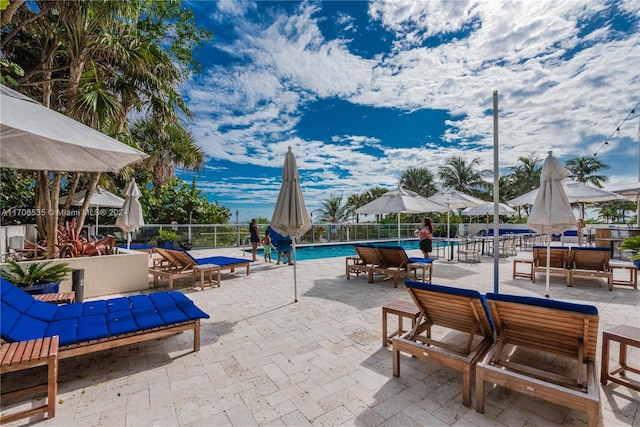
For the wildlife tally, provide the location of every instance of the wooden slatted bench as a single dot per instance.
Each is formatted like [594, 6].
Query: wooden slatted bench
[21, 355]
[57, 298]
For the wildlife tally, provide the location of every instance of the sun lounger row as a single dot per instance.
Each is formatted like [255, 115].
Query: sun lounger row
[97, 325]
[391, 261]
[509, 341]
[175, 264]
[572, 262]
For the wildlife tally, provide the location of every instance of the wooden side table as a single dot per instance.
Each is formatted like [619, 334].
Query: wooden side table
[526, 274]
[21, 355]
[633, 274]
[625, 335]
[207, 268]
[423, 266]
[402, 309]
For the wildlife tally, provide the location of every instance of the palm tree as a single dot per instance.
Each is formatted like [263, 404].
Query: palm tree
[419, 180]
[585, 169]
[355, 201]
[526, 176]
[462, 176]
[333, 210]
[168, 149]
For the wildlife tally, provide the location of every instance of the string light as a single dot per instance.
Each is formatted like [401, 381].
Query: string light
[606, 142]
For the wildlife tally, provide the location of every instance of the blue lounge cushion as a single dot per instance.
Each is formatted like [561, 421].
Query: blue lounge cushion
[43, 310]
[92, 327]
[27, 328]
[191, 310]
[469, 293]
[65, 329]
[121, 322]
[140, 301]
[147, 318]
[8, 318]
[6, 286]
[118, 304]
[161, 298]
[222, 260]
[591, 248]
[18, 299]
[171, 313]
[545, 302]
[552, 247]
[92, 308]
[69, 311]
[421, 260]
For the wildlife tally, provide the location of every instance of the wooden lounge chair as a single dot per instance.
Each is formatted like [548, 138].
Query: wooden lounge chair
[455, 309]
[591, 262]
[559, 262]
[368, 258]
[177, 263]
[395, 262]
[98, 325]
[541, 329]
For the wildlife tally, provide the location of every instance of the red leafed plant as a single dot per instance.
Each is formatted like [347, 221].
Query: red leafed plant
[72, 245]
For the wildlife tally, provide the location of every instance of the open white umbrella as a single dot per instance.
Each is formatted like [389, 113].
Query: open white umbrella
[576, 192]
[100, 198]
[487, 209]
[400, 201]
[130, 217]
[38, 138]
[551, 212]
[455, 199]
[290, 216]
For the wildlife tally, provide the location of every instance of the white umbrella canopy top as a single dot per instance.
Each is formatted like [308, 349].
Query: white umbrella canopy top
[290, 216]
[487, 209]
[100, 197]
[38, 138]
[576, 192]
[400, 200]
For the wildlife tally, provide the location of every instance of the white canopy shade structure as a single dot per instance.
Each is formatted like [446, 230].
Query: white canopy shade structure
[290, 216]
[551, 212]
[130, 217]
[400, 201]
[100, 198]
[455, 199]
[487, 209]
[576, 192]
[38, 138]
[631, 191]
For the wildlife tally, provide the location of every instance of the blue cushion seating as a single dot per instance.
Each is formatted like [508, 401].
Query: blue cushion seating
[545, 302]
[135, 246]
[552, 247]
[23, 318]
[591, 248]
[421, 260]
[222, 261]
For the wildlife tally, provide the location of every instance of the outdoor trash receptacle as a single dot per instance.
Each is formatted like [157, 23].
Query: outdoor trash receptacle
[77, 284]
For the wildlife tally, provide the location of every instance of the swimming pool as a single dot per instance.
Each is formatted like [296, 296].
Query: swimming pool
[307, 252]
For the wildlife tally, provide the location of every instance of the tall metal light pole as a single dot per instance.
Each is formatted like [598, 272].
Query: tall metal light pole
[496, 195]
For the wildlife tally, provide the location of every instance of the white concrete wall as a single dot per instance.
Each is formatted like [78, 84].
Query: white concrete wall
[109, 274]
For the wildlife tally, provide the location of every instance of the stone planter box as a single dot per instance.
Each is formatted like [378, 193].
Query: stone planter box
[106, 275]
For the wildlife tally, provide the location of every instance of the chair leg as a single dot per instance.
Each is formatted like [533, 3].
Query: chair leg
[396, 361]
[52, 389]
[466, 386]
[479, 390]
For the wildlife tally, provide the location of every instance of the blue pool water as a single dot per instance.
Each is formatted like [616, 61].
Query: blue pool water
[307, 252]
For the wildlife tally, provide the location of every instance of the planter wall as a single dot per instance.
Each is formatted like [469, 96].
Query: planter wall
[109, 274]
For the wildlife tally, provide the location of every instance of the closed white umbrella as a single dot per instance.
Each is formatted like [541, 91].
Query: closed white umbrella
[400, 201]
[38, 138]
[100, 198]
[130, 217]
[290, 216]
[551, 212]
[455, 199]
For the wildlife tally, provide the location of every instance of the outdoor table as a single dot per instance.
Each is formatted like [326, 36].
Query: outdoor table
[625, 335]
[424, 266]
[402, 309]
[203, 269]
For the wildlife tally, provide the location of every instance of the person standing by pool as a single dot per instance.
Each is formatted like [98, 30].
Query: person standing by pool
[284, 245]
[255, 237]
[266, 241]
[424, 233]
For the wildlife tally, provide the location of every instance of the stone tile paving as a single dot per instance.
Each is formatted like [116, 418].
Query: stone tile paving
[267, 361]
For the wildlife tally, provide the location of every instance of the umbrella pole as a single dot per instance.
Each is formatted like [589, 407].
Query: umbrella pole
[128, 240]
[548, 265]
[398, 228]
[295, 277]
[448, 234]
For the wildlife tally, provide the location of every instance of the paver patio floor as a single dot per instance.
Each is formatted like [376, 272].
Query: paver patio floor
[265, 360]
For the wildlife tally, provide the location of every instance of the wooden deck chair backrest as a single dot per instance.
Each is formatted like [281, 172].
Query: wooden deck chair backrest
[462, 310]
[184, 259]
[552, 326]
[559, 257]
[168, 257]
[591, 258]
[368, 255]
[393, 256]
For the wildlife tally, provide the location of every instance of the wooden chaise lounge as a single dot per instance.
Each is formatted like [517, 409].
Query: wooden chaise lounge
[559, 262]
[395, 262]
[368, 258]
[458, 310]
[175, 264]
[591, 262]
[98, 325]
[533, 331]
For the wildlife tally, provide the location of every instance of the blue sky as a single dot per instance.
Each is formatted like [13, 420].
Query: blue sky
[363, 91]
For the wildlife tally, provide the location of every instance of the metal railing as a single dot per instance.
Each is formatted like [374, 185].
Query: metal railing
[237, 235]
